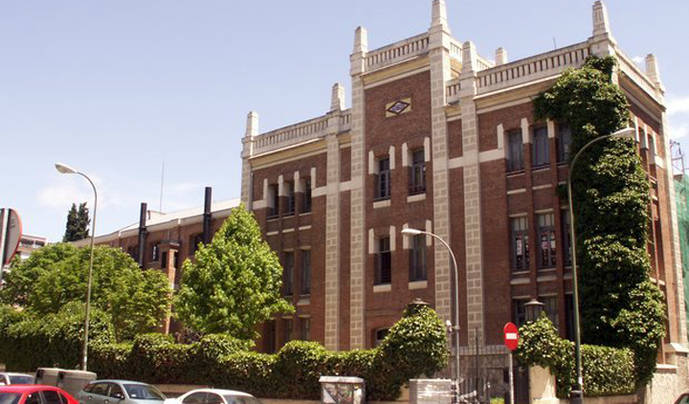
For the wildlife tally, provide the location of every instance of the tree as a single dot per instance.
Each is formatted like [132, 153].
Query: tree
[619, 305]
[136, 301]
[77, 223]
[234, 283]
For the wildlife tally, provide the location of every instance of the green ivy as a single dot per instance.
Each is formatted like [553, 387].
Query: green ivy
[606, 370]
[619, 306]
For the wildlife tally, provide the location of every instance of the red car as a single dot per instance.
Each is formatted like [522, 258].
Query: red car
[34, 394]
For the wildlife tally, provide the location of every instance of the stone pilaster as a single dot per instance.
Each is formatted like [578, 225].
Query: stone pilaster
[440, 74]
[602, 41]
[357, 196]
[332, 243]
[472, 195]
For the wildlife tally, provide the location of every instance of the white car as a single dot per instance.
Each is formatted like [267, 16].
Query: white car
[214, 396]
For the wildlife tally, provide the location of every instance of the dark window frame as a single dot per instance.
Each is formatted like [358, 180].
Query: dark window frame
[540, 147]
[417, 259]
[306, 201]
[305, 272]
[274, 194]
[417, 172]
[382, 182]
[515, 150]
[519, 243]
[547, 244]
[291, 201]
[564, 143]
[288, 273]
[383, 257]
[566, 238]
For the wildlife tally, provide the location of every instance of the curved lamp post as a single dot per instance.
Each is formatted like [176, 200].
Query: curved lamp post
[416, 232]
[65, 169]
[577, 394]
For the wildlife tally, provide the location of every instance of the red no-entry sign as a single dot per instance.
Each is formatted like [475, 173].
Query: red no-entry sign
[511, 336]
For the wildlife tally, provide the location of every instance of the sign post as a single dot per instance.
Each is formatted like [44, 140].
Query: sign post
[511, 338]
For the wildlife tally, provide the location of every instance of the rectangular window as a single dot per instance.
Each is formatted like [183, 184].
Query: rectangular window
[380, 335]
[289, 186]
[541, 147]
[155, 252]
[566, 238]
[163, 260]
[305, 272]
[306, 203]
[417, 173]
[651, 148]
[520, 243]
[518, 311]
[286, 330]
[564, 143]
[514, 151]
[274, 200]
[383, 179]
[417, 259]
[546, 240]
[195, 241]
[288, 273]
[550, 308]
[383, 273]
[304, 328]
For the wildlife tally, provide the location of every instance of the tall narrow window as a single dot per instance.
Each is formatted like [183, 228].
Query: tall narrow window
[289, 186]
[519, 311]
[417, 173]
[520, 244]
[564, 142]
[383, 262]
[306, 203]
[288, 273]
[550, 308]
[541, 147]
[305, 272]
[380, 335]
[566, 238]
[514, 151]
[304, 328]
[383, 179]
[417, 259]
[286, 330]
[546, 240]
[155, 252]
[274, 200]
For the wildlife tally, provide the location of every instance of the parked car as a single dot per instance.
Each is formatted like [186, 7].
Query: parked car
[683, 399]
[34, 394]
[119, 392]
[213, 396]
[15, 378]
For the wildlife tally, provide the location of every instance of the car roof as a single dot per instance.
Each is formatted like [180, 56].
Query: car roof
[117, 381]
[27, 388]
[222, 392]
[16, 374]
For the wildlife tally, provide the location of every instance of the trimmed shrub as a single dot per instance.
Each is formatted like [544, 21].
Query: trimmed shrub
[606, 371]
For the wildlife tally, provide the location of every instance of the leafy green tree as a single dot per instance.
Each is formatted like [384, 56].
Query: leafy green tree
[619, 305]
[77, 223]
[234, 282]
[136, 301]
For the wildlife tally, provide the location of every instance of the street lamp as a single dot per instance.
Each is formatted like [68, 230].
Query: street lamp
[65, 169]
[416, 232]
[577, 394]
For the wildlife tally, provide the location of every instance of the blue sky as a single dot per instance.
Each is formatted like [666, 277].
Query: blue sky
[116, 88]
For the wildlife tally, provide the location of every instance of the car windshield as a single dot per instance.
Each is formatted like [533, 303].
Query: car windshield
[9, 398]
[232, 399]
[143, 392]
[21, 379]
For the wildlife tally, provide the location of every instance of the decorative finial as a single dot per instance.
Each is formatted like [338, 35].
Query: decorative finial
[337, 97]
[652, 69]
[601, 23]
[500, 56]
[468, 57]
[360, 40]
[251, 124]
[439, 15]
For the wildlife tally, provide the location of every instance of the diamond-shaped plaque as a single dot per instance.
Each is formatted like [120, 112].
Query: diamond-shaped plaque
[398, 107]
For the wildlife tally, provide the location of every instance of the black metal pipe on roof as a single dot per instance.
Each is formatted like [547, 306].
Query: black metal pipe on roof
[142, 234]
[207, 216]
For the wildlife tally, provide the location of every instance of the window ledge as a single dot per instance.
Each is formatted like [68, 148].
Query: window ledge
[540, 168]
[385, 287]
[418, 285]
[515, 173]
[520, 281]
[547, 269]
[416, 197]
[304, 213]
[546, 278]
[385, 203]
[304, 300]
[519, 273]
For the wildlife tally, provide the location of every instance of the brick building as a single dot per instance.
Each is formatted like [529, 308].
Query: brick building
[442, 139]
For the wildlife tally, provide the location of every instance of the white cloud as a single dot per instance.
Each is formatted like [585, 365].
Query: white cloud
[639, 60]
[64, 193]
[677, 105]
[679, 131]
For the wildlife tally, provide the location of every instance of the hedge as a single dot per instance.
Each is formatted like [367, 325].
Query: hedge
[415, 346]
[606, 370]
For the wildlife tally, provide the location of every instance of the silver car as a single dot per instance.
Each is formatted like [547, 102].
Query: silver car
[119, 392]
[15, 378]
[214, 396]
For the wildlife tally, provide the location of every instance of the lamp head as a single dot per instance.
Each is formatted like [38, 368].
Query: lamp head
[411, 232]
[64, 169]
[628, 133]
